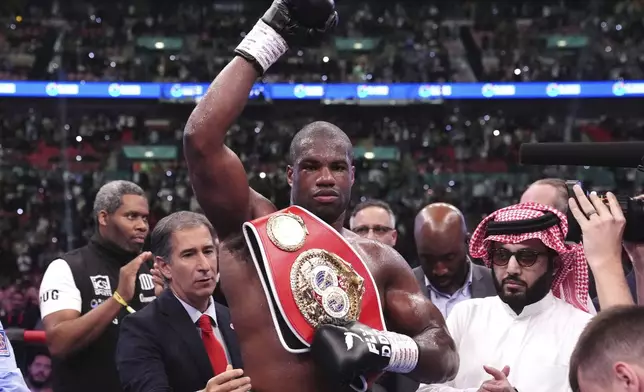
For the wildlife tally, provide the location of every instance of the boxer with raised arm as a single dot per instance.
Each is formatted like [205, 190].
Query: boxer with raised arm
[325, 322]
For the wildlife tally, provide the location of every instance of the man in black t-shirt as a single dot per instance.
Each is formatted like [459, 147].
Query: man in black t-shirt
[85, 293]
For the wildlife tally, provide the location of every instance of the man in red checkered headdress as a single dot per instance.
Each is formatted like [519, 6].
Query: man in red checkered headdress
[522, 338]
[544, 229]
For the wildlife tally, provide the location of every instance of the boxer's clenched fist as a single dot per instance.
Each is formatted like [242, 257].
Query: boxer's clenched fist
[287, 23]
[355, 350]
[301, 21]
[229, 381]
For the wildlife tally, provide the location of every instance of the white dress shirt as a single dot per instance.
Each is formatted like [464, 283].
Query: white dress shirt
[536, 344]
[445, 302]
[11, 379]
[196, 314]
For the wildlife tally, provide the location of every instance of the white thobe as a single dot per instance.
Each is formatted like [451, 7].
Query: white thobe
[536, 344]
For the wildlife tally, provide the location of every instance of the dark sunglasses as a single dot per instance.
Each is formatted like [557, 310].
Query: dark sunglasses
[377, 229]
[525, 257]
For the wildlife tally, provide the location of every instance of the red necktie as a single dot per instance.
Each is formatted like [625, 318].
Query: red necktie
[215, 351]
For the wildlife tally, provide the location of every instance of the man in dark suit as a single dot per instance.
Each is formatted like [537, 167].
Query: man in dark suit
[446, 274]
[183, 341]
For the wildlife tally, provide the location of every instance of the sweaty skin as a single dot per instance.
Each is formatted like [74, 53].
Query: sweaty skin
[221, 187]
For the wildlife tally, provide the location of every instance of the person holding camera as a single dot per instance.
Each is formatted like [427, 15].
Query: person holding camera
[602, 226]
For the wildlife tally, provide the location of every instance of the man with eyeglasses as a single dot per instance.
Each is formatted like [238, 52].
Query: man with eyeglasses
[375, 220]
[522, 339]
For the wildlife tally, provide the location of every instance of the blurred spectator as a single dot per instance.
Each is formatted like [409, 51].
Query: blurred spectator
[54, 158]
[19, 308]
[38, 375]
[375, 220]
[399, 41]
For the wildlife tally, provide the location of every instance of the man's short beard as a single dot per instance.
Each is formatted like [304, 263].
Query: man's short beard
[36, 383]
[535, 293]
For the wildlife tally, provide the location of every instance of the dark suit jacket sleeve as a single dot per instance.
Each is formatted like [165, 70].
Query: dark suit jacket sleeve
[139, 359]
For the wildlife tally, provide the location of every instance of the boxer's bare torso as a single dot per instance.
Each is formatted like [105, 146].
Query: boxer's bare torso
[221, 186]
[270, 366]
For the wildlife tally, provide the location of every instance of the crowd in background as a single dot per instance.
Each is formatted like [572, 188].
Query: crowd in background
[376, 42]
[469, 160]
[51, 165]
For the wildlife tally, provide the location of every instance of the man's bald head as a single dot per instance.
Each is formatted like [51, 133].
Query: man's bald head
[439, 217]
[440, 233]
[548, 191]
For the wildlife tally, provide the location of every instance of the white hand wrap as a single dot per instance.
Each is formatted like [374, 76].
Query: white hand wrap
[404, 353]
[264, 44]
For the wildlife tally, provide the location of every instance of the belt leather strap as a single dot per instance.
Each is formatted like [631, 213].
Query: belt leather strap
[311, 275]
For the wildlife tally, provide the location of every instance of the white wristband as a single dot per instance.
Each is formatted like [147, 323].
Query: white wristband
[404, 353]
[264, 44]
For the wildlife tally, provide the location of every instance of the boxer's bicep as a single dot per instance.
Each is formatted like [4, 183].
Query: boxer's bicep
[259, 205]
[220, 185]
[410, 313]
[216, 172]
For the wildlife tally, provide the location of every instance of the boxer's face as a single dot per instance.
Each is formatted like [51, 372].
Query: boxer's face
[526, 276]
[128, 226]
[192, 268]
[321, 178]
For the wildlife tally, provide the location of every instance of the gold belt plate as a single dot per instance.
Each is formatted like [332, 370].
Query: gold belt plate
[327, 290]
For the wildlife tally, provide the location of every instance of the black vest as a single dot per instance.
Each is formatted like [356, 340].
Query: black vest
[95, 268]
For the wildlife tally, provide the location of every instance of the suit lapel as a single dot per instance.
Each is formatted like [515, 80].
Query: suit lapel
[179, 320]
[479, 289]
[230, 338]
[420, 277]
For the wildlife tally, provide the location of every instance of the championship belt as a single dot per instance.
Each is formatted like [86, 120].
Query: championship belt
[311, 276]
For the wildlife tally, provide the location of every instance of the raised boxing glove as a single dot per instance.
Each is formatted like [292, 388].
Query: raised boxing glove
[287, 22]
[356, 351]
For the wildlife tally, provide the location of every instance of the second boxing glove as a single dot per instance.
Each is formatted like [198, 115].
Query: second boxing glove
[286, 22]
[355, 350]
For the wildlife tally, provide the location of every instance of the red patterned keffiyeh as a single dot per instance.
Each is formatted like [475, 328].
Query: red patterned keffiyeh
[571, 280]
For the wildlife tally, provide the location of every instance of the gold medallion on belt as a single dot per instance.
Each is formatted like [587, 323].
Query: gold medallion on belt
[326, 289]
[286, 231]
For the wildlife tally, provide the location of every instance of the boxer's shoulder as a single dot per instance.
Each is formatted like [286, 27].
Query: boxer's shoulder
[375, 253]
[234, 248]
[259, 205]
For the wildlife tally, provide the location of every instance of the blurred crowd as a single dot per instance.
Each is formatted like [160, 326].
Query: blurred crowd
[398, 41]
[405, 156]
[52, 162]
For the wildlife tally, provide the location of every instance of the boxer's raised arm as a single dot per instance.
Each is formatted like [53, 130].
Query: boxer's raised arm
[409, 312]
[217, 174]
